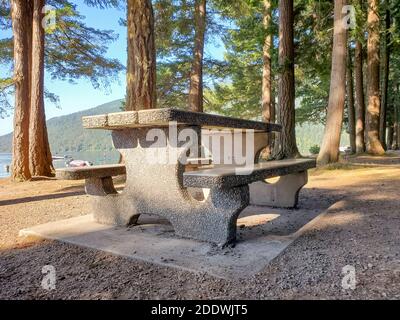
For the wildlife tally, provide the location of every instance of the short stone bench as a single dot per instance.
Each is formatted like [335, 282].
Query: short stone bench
[162, 189]
[94, 172]
[97, 178]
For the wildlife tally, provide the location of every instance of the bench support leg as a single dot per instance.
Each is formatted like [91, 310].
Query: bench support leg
[106, 203]
[284, 193]
[215, 220]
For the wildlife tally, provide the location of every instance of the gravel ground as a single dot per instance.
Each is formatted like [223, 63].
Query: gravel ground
[360, 229]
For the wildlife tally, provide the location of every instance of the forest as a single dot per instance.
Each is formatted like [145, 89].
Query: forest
[334, 63]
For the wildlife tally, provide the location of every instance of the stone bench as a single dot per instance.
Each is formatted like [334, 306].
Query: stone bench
[162, 189]
[284, 193]
[97, 178]
[94, 172]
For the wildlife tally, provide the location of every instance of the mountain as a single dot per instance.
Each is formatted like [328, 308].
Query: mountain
[66, 133]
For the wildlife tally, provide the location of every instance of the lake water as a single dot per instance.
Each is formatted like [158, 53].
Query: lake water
[5, 159]
[96, 157]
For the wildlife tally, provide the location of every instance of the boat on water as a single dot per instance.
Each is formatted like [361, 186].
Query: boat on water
[71, 163]
[58, 158]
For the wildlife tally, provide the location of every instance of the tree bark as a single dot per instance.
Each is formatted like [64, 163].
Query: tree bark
[389, 142]
[360, 103]
[350, 102]
[395, 144]
[330, 144]
[396, 126]
[141, 68]
[40, 159]
[266, 79]
[21, 23]
[285, 144]
[385, 82]
[268, 107]
[196, 75]
[374, 145]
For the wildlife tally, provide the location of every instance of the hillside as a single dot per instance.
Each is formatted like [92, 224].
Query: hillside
[67, 135]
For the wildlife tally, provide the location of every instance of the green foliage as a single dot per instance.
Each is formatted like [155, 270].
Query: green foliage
[103, 4]
[73, 50]
[237, 82]
[310, 134]
[313, 47]
[314, 149]
[5, 87]
[5, 22]
[394, 73]
[174, 27]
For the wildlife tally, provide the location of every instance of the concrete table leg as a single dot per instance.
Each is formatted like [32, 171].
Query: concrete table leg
[284, 193]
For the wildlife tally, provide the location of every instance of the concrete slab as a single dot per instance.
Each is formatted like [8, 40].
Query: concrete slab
[262, 235]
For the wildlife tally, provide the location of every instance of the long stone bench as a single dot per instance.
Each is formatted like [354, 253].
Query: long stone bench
[284, 193]
[162, 189]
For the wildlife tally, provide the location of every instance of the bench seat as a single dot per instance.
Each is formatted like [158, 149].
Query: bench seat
[82, 173]
[226, 176]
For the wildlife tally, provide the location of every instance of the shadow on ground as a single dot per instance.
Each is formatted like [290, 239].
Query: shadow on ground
[359, 227]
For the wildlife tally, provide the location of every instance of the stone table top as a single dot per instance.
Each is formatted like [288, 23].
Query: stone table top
[162, 118]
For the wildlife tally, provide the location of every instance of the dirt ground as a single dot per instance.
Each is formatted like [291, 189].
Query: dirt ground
[359, 227]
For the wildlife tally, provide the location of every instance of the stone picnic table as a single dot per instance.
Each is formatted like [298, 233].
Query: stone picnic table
[163, 188]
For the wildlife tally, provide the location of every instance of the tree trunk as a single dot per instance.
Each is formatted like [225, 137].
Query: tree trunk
[21, 13]
[396, 126]
[360, 104]
[268, 107]
[385, 82]
[374, 145]
[331, 140]
[40, 160]
[141, 68]
[395, 144]
[389, 142]
[266, 79]
[350, 102]
[285, 144]
[196, 75]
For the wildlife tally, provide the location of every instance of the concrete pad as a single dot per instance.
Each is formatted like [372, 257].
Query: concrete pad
[262, 235]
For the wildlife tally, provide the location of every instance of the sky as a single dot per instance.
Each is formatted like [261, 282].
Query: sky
[82, 95]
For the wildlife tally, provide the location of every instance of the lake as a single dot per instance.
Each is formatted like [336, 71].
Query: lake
[5, 159]
[96, 157]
